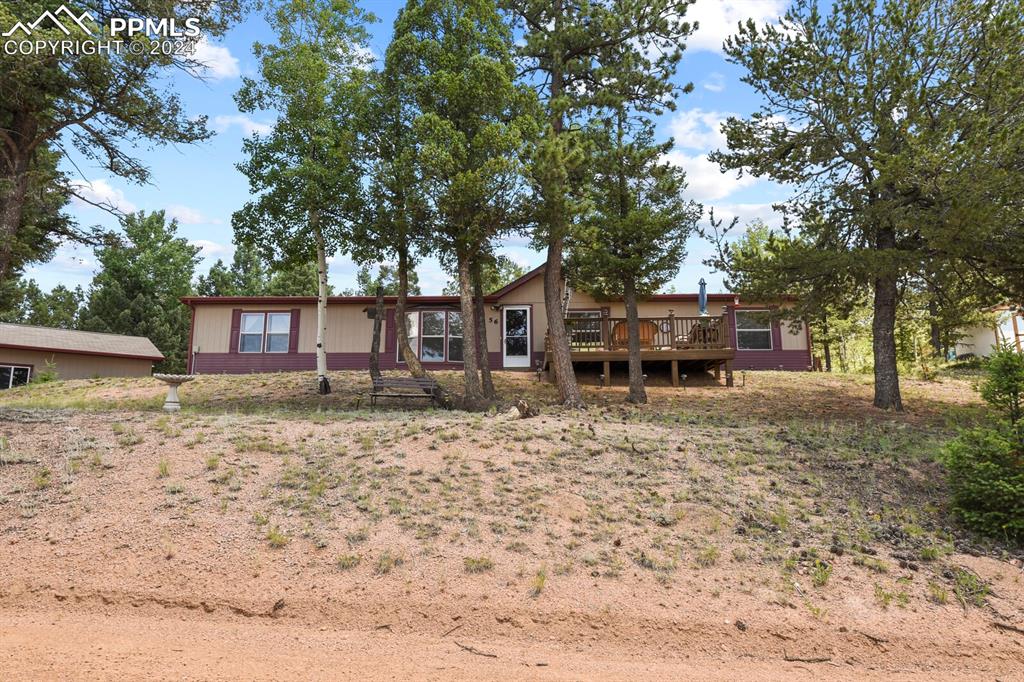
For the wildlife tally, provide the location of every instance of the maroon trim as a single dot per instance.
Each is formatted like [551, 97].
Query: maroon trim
[69, 351]
[191, 333]
[236, 324]
[293, 332]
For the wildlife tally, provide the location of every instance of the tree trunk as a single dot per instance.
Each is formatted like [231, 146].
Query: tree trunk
[883, 342]
[933, 326]
[474, 397]
[486, 381]
[322, 382]
[826, 344]
[558, 340]
[637, 392]
[378, 319]
[412, 361]
[13, 190]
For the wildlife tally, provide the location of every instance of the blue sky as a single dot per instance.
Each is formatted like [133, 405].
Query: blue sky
[199, 184]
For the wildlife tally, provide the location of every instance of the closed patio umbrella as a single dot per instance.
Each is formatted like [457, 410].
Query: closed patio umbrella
[702, 298]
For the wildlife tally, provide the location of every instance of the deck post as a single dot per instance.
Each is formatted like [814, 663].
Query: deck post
[607, 373]
[675, 373]
[728, 374]
[718, 371]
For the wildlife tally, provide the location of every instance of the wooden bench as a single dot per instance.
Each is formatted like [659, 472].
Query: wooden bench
[405, 387]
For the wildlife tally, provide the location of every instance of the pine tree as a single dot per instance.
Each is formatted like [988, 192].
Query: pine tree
[137, 288]
[572, 50]
[471, 124]
[634, 240]
[865, 107]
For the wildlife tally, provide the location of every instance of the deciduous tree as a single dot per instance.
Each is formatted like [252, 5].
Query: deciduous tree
[305, 172]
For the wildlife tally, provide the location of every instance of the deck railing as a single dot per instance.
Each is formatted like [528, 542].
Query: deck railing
[656, 333]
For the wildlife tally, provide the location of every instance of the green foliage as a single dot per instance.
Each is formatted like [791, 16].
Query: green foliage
[103, 104]
[635, 234]
[304, 173]
[495, 273]
[249, 275]
[986, 464]
[865, 105]
[136, 291]
[386, 278]
[471, 121]
[28, 304]
[1003, 387]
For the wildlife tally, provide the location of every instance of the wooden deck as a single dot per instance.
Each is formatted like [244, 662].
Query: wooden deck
[703, 340]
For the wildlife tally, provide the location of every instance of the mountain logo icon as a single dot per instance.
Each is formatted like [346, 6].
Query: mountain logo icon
[70, 19]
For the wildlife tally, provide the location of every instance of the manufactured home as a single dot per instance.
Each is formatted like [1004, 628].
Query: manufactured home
[27, 350]
[271, 333]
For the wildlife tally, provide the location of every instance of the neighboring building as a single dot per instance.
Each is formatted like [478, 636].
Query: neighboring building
[1006, 327]
[263, 334]
[26, 350]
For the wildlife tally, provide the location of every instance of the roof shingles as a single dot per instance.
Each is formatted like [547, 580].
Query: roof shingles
[73, 341]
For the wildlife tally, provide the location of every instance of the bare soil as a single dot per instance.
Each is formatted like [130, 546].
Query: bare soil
[780, 530]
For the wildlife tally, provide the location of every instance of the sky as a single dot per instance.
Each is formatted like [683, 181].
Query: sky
[200, 186]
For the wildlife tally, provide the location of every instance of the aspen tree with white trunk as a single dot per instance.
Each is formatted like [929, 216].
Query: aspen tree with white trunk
[305, 174]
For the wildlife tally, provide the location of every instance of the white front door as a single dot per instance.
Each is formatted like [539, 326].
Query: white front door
[515, 341]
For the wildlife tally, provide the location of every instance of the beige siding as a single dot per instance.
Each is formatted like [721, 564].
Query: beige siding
[793, 339]
[348, 328]
[74, 366]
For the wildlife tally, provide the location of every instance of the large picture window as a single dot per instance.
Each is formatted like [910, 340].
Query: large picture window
[753, 330]
[264, 332]
[14, 375]
[454, 337]
[434, 335]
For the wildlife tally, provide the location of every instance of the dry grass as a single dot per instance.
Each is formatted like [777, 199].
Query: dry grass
[789, 479]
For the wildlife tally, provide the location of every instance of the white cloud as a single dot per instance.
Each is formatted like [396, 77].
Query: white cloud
[189, 216]
[715, 82]
[705, 181]
[218, 61]
[718, 19]
[248, 126]
[699, 129]
[748, 213]
[210, 249]
[101, 193]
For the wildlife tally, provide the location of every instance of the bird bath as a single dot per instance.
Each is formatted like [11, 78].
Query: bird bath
[171, 404]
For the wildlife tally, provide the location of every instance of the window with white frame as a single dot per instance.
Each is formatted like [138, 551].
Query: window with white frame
[278, 328]
[264, 332]
[14, 375]
[434, 336]
[753, 330]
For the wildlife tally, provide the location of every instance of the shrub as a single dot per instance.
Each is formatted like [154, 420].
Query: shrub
[986, 464]
[986, 474]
